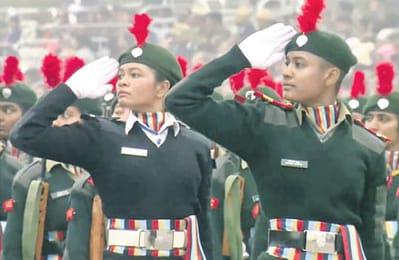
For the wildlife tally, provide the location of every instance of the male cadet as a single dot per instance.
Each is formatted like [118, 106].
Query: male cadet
[38, 219]
[320, 175]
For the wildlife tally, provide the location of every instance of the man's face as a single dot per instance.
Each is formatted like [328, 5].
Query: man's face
[384, 123]
[10, 113]
[304, 77]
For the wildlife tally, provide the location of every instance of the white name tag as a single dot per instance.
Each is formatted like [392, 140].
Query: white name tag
[294, 163]
[134, 151]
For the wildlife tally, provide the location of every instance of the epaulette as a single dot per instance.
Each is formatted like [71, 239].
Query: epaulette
[272, 101]
[379, 136]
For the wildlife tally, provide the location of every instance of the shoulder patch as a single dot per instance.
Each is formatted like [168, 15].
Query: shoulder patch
[278, 116]
[380, 136]
[368, 139]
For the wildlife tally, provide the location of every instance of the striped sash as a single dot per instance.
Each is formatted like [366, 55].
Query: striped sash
[352, 245]
[190, 224]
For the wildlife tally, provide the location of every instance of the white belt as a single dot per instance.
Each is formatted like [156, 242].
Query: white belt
[148, 239]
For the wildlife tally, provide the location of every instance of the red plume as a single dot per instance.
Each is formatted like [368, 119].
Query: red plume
[237, 81]
[385, 73]
[72, 64]
[311, 14]
[139, 28]
[255, 76]
[358, 86]
[51, 70]
[11, 71]
[183, 65]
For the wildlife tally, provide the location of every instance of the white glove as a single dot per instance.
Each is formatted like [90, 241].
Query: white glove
[91, 80]
[266, 47]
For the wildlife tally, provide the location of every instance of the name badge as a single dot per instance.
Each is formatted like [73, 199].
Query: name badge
[134, 151]
[294, 163]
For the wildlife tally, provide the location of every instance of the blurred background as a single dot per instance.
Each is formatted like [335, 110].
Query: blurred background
[199, 30]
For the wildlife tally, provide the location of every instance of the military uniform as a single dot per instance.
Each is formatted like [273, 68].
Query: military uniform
[292, 165]
[163, 206]
[388, 102]
[230, 165]
[23, 223]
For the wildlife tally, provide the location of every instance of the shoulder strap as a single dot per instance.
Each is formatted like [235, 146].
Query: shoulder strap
[33, 222]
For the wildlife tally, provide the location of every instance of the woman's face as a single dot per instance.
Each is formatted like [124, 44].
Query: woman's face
[10, 113]
[137, 87]
[384, 123]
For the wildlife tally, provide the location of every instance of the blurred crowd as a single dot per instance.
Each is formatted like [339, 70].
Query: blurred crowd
[198, 30]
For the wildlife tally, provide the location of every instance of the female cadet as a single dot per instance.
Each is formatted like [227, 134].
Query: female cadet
[320, 176]
[152, 173]
[382, 116]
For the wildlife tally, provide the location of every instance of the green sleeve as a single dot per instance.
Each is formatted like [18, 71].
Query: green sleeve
[228, 123]
[373, 210]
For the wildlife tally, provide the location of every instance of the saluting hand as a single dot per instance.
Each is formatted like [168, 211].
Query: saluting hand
[266, 47]
[91, 81]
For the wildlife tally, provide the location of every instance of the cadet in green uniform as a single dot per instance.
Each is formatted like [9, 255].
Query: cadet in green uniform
[22, 228]
[382, 116]
[15, 99]
[163, 206]
[316, 169]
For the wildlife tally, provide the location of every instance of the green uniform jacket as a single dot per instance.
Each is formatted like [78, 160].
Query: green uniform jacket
[60, 183]
[340, 180]
[77, 242]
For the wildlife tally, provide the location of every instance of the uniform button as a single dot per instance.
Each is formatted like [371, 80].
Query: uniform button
[159, 141]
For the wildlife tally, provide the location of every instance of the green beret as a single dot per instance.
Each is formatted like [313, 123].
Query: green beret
[155, 57]
[328, 46]
[385, 104]
[355, 104]
[20, 94]
[89, 106]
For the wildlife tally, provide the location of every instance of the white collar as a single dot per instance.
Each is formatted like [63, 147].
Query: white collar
[169, 121]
